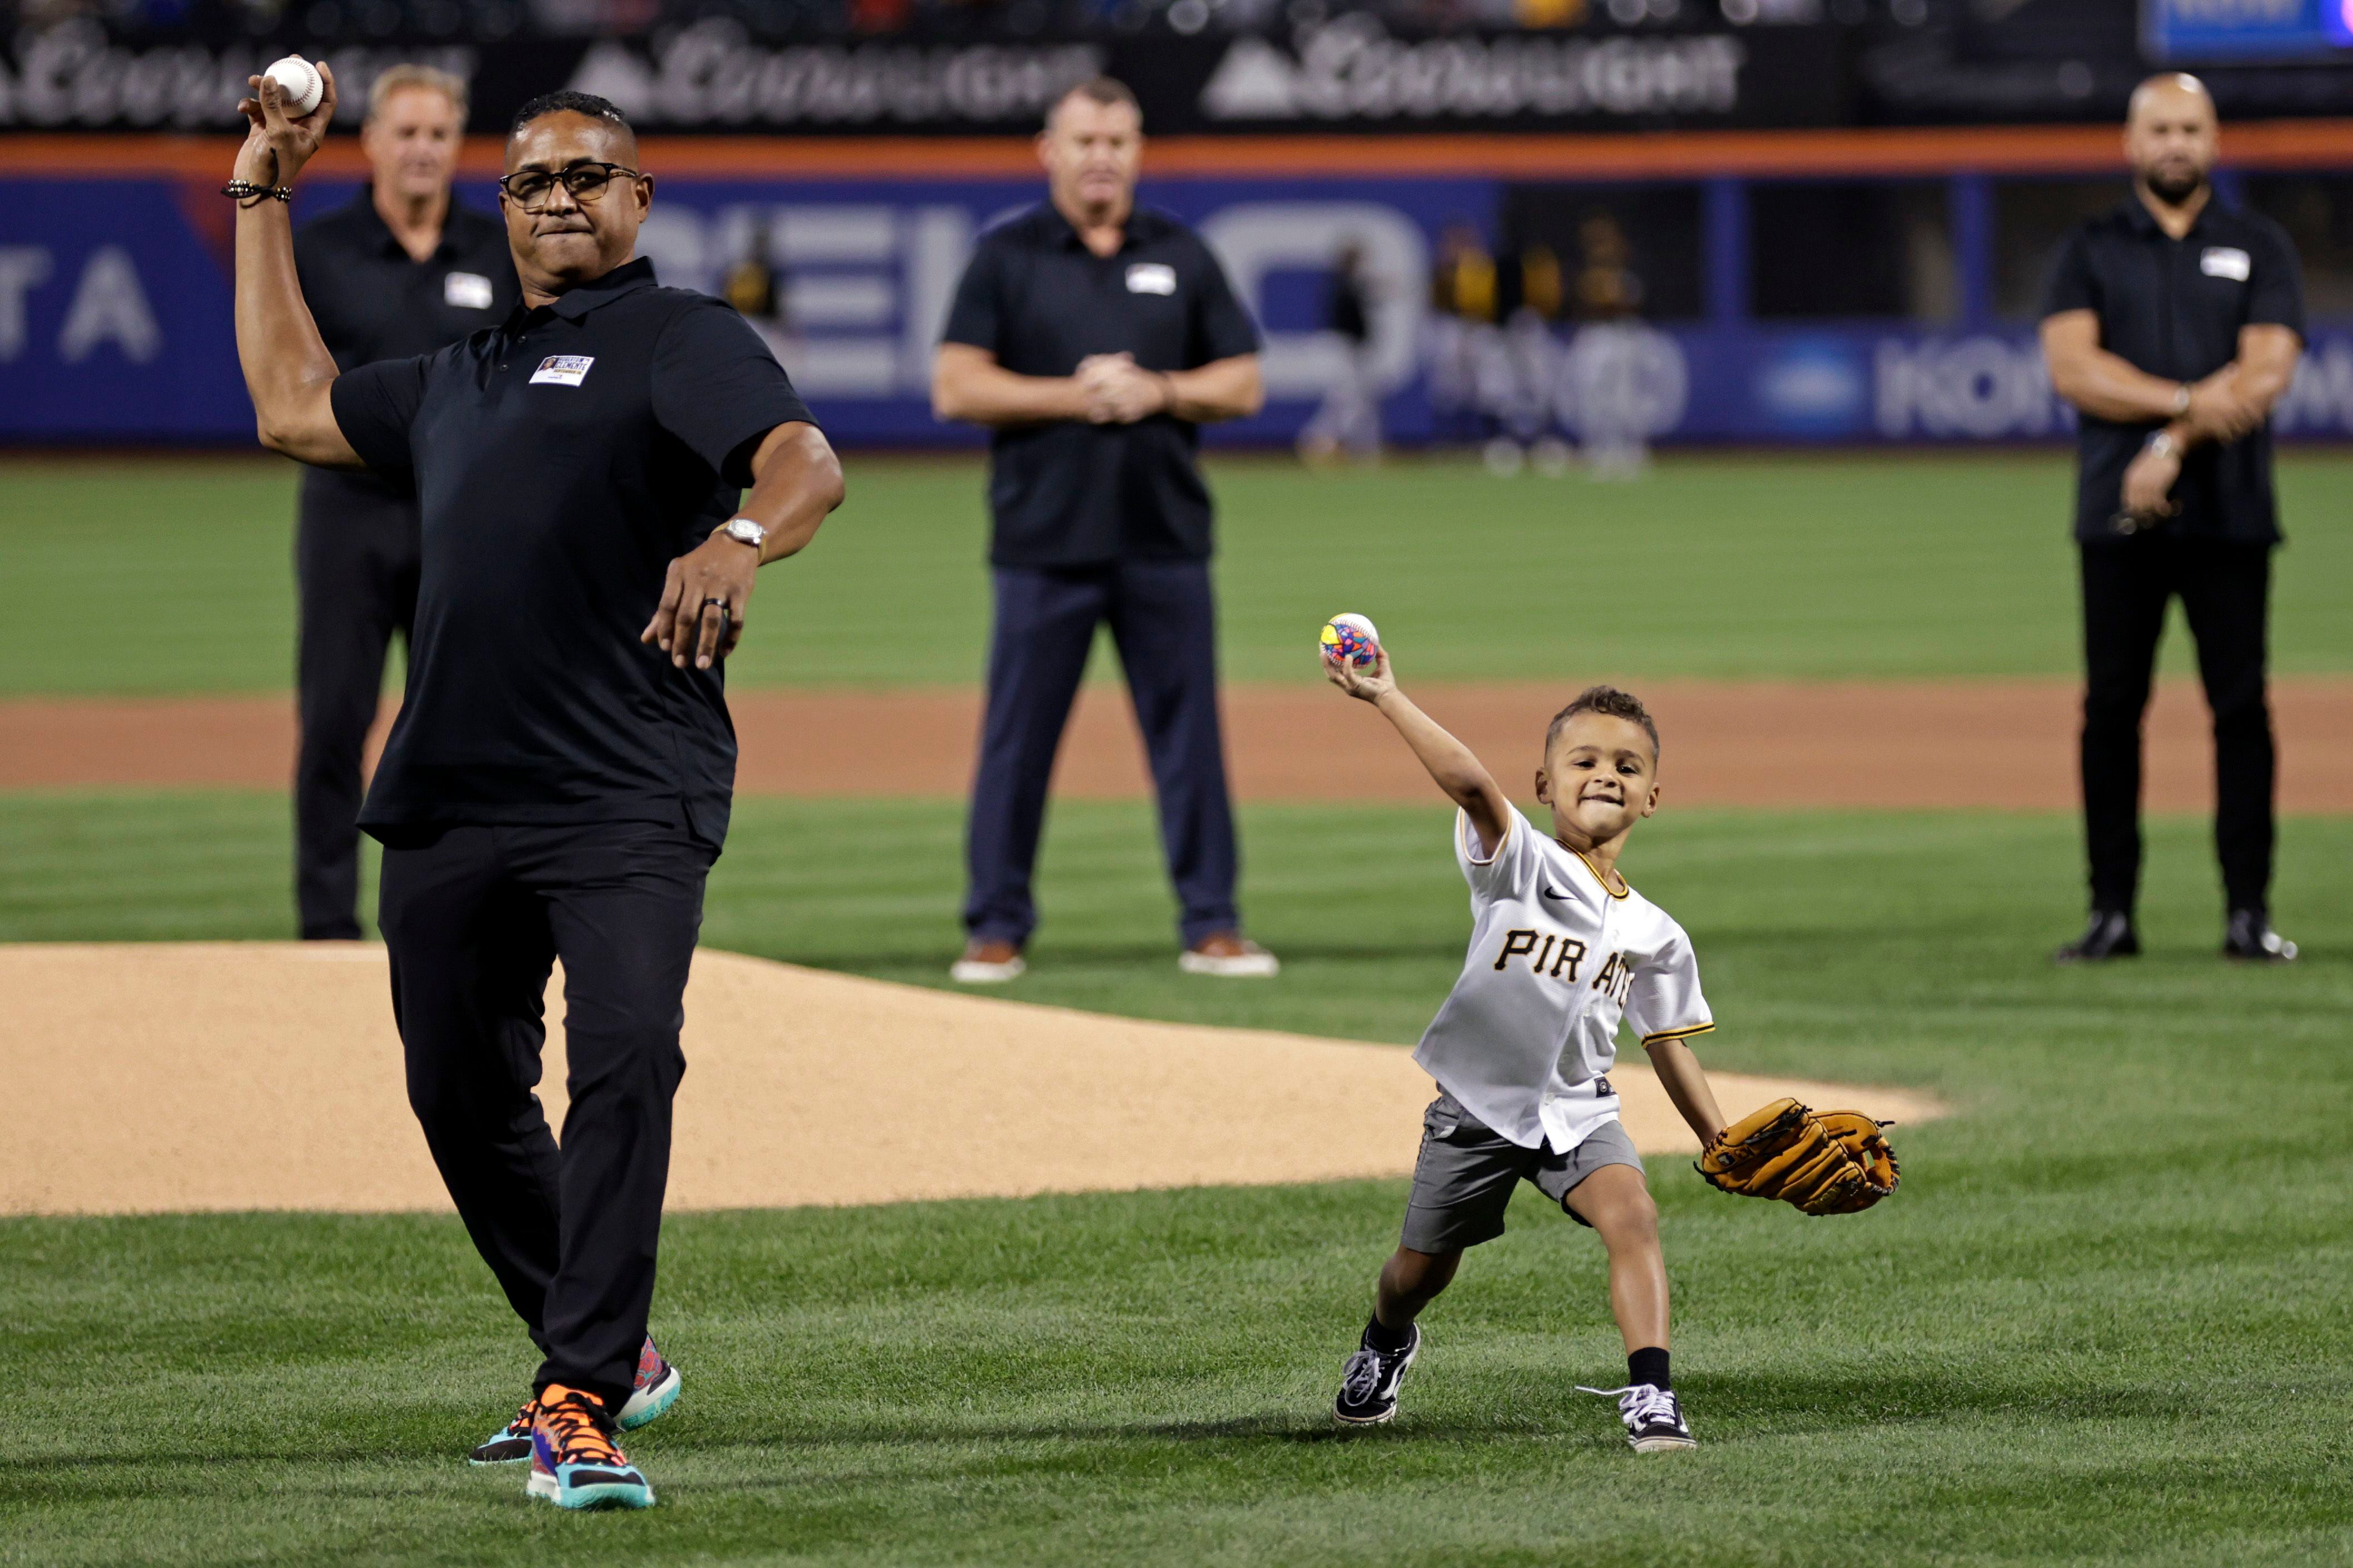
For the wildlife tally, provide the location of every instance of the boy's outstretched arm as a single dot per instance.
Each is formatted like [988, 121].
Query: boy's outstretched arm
[1686, 1084]
[1457, 769]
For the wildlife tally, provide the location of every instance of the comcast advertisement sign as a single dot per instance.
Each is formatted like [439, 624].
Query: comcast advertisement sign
[712, 76]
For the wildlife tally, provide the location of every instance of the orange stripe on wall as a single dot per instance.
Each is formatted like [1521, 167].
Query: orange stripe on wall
[1998, 150]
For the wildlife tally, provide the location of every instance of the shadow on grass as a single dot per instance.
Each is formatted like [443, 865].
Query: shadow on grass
[1784, 1405]
[1727, 1411]
[1090, 954]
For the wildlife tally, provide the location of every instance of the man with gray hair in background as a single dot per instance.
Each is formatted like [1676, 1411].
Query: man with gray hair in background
[400, 271]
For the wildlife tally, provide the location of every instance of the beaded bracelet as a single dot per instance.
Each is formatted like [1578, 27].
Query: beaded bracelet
[241, 190]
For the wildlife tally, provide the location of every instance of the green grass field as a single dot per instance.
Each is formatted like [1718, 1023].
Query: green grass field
[1733, 566]
[2102, 1322]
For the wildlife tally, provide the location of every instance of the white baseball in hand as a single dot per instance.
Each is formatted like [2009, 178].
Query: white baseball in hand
[298, 79]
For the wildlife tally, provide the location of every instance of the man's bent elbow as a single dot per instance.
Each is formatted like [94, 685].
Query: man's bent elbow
[832, 487]
[822, 471]
[277, 437]
[2066, 384]
[951, 399]
[1248, 395]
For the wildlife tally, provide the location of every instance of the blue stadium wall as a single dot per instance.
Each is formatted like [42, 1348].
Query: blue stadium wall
[115, 319]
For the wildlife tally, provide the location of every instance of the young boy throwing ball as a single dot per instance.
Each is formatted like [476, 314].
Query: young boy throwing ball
[1561, 950]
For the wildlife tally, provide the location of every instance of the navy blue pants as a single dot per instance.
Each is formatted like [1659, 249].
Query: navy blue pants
[1164, 620]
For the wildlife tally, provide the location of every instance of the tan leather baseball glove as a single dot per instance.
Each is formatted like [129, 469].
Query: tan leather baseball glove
[1824, 1161]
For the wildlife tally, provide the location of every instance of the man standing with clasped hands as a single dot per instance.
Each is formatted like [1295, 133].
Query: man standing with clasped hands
[2173, 324]
[1094, 338]
[559, 779]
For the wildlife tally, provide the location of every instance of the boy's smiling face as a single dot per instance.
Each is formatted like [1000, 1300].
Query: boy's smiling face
[1600, 777]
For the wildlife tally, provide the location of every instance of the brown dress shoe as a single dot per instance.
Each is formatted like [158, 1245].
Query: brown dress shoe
[988, 963]
[1229, 955]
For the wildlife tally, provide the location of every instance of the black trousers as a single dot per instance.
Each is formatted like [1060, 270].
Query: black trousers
[355, 556]
[1164, 621]
[2225, 591]
[475, 916]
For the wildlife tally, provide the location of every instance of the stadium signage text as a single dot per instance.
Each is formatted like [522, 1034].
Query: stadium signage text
[1351, 69]
[107, 307]
[1980, 388]
[711, 74]
[69, 77]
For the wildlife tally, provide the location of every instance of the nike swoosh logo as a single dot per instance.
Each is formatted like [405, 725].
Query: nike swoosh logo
[1552, 892]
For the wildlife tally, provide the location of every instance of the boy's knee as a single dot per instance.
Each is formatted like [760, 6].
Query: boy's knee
[1642, 1211]
[1411, 1271]
[1622, 1211]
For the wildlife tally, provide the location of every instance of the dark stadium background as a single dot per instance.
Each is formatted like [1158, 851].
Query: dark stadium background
[1836, 213]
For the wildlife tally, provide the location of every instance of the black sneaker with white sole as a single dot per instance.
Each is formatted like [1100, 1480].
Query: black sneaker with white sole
[1369, 1383]
[1653, 1418]
[2249, 938]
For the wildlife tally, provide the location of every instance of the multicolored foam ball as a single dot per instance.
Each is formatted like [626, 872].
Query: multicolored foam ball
[1351, 638]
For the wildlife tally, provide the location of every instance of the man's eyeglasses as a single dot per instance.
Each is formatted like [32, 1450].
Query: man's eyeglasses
[531, 188]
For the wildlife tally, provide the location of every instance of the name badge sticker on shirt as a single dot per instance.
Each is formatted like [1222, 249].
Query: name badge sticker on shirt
[468, 291]
[562, 370]
[1151, 277]
[2224, 261]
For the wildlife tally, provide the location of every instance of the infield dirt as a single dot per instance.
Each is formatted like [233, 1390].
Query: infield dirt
[177, 1077]
[2002, 744]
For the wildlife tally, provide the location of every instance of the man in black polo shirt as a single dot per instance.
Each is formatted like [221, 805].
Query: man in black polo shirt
[557, 784]
[1095, 339]
[401, 270]
[2173, 325]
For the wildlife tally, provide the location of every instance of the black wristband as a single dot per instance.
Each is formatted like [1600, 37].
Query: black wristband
[246, 193]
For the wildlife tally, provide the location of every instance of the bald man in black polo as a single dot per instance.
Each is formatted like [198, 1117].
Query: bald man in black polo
[558, 785]
[2173, 324]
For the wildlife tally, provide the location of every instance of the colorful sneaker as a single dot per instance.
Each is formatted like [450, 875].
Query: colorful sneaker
[1653, 1418]
[1369, 1382]
[573, 1462]
[653, 1392]
[511, 1442]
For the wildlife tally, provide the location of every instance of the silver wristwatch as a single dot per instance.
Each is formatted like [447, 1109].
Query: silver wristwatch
[2163, 445]
[2181, 400]
[744, 531]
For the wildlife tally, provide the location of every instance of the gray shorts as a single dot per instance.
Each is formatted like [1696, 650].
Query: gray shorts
[1465, 1176]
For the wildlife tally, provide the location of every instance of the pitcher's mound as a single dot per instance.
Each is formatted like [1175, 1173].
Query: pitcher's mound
[267, 1075]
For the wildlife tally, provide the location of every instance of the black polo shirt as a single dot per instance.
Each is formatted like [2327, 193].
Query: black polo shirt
[1068, 493]
[562, 461]
[372, 300]
[2173, 307]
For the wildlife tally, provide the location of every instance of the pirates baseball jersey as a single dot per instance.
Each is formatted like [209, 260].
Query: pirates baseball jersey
[1557, 959]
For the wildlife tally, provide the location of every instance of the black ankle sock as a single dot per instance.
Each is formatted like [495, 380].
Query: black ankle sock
[1385, 1340]
[1648, 1365]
